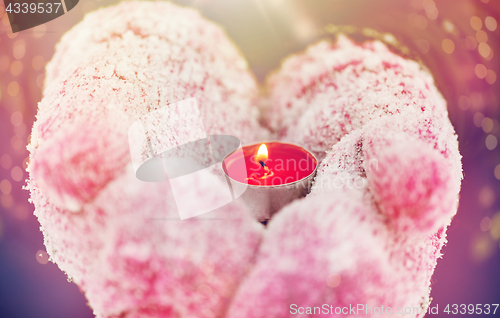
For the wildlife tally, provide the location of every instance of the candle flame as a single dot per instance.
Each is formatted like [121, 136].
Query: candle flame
[262, 153]
[261, 156]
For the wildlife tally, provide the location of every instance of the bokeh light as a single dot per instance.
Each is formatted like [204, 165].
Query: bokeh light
[19, 49]
[483, 248]
[464, 102]
[487, 124]
[38, 62]
[17, 174]
[16, 118]
[495, 226]
[16, 68]
[491, 142]
[6, 200]
[490, 23]
[481, 36]
[491, 77]
[486, 196]
[478, 119]
[476, 23]
[423, 46]
[417, 20]
[448, 46]
[496, 172]
[42, 257]
[470, 42]
[13, 88]
[5, 161]
[484, 49]
[485, 224]
[334, 280]
[481, 71]
[5, 186]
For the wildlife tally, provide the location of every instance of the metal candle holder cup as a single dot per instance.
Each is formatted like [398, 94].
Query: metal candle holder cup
[266, 200]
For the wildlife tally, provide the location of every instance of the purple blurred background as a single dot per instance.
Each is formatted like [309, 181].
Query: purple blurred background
[457, 40]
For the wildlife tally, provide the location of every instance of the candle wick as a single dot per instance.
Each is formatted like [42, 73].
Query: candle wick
[268, 172]
[262, 164]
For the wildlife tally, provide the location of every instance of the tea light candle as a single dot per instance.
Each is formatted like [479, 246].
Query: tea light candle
[276, 173]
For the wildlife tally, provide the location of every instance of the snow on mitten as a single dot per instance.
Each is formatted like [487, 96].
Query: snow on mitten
[116, 66]
[371, 231]
[118, 238]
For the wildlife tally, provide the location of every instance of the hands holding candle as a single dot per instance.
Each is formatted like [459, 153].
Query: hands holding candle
[370, 231]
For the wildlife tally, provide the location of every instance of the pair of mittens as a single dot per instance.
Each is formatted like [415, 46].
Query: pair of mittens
[369, 232]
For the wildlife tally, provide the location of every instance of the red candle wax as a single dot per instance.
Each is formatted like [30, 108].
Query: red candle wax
[285, 163]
